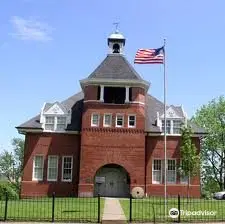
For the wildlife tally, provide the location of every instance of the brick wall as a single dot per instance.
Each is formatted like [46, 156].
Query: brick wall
[138, 94]
[112, 146]
[91, 93]
[50, 144]
[155, 149]
[102, 145]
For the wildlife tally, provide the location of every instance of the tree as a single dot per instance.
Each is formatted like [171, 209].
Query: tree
[6, 165]
[190, 162]
[212, 118]
[18, 149]
[11, 162]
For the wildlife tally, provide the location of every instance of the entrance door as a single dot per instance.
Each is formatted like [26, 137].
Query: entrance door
[115, 182]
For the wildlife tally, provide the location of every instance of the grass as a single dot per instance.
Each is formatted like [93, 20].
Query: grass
[40, 209]
[152, 209]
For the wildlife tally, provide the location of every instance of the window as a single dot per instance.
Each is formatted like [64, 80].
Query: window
[53, 123]
[38, 167]
[52, 168]
[177, 126]
[168, 126]
[119, 120]
[131, 121]
[95, 120]
[157, 171]
[171, 171]
[107, 120]
[115, 95]
[61, 123]
[50, 123]
[67, 165]
[172, 126]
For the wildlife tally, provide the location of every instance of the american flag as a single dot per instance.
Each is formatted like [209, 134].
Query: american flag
[150, 56]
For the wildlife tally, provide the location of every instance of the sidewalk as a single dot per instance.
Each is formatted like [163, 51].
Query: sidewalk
[113, 213]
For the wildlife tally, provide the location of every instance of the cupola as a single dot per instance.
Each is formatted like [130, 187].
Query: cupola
[116, 43]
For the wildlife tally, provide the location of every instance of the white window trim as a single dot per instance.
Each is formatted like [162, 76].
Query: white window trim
[38, 179]
[71, 169]
[57, 168]
[119, 126]
[104, 124]
[171, 126]
[155, 182]
[174, 182]
[94, 125]
[55, 123]
[135, 121]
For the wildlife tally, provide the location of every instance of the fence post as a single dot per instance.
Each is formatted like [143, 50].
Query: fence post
[179, 208]
[53, 206]
[6, 206]
[130, 208]
[99, 207]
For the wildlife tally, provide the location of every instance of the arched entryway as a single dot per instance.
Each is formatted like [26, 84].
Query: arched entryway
[112, 180]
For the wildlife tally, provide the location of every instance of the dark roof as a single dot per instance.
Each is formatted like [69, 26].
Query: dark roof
[151, 108]
[75, 103]
[115, 66]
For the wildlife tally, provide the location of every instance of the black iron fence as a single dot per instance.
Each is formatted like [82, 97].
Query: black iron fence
[177, 209]
[51, 209]
[83, 209]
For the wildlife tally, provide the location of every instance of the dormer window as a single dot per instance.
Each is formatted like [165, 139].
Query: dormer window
[55, 117]
[172, 126]
[177, 126]
[55, 123]
[49, 123]
[175, 119]
[168, 126]
[61, 123]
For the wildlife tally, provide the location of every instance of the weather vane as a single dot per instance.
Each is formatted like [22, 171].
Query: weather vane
[116, 25]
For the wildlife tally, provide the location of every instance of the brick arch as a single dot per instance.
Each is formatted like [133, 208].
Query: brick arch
[115, 174]
[127, 168]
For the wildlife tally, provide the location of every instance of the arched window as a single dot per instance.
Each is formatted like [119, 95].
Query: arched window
[116, 48]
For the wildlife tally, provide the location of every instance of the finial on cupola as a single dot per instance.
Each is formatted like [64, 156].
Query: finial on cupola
[116, 41]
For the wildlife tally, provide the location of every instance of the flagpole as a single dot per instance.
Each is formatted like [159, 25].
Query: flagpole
[165, 154]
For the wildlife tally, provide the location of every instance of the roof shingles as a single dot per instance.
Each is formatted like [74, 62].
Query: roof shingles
[115, 66]
[75, 103]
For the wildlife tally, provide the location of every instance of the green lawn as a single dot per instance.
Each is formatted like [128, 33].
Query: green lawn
[66, 209]
[153, 209]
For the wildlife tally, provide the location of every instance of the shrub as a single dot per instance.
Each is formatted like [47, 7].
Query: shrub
[207, 195]
[6, 187]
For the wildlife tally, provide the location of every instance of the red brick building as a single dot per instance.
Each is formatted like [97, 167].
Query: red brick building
[106, 139]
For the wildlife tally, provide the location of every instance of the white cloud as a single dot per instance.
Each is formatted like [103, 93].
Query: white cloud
[30, 29]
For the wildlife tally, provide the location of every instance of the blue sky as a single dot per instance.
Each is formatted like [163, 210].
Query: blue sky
[47, 46]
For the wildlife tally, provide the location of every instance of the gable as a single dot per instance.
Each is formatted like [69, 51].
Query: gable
[171, 113]
[55, 109]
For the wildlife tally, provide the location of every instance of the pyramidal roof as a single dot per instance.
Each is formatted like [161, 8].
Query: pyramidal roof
[115, 66]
